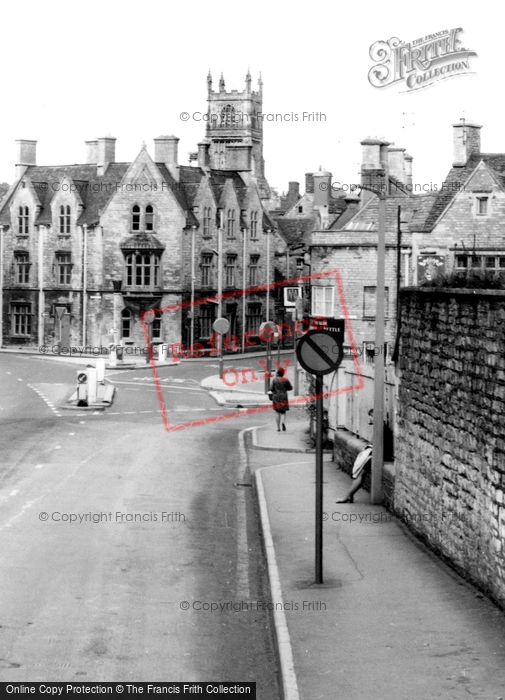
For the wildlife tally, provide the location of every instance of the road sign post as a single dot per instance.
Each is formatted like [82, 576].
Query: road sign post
[221, 326]
[320, 352]
[268, 332]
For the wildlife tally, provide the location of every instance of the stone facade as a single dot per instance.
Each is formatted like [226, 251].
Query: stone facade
[450, 446]
[88, 248]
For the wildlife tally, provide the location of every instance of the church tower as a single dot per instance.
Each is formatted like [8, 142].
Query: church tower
[234, 133]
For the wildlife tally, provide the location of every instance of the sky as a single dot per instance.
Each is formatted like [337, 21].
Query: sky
[74, 72]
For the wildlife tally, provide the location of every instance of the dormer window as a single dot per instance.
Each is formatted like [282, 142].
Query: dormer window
[231, 223]
[23, 220]
[135, 217]
[142, 220]
[254, 225]
[64, 218]
[206, 221]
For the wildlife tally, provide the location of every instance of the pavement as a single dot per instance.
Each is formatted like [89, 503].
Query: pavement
[244, 388]
[390, 621]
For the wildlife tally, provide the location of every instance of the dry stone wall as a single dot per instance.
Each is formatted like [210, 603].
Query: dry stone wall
[450, 447]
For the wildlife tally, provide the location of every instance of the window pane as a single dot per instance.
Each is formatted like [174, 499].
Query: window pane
[149, 218]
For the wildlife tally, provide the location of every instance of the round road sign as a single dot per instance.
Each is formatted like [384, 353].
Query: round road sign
[268, 331]
[221, 325]
[82, 377]
[320, 351]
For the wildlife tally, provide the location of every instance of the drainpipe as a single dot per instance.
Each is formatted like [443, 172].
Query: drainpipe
[41, 309]
[1, 285]
[192, 327]
[84, 282]
[268, 275]
[244, 232]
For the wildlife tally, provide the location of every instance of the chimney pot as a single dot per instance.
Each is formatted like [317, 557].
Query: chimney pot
[309, 183]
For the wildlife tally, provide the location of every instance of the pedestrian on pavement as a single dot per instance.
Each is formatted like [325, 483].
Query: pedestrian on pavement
[279, 395]
[363, 463]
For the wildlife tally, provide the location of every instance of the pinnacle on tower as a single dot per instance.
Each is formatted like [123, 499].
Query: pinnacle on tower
[209, 81]
[221, 84]
[260, 83]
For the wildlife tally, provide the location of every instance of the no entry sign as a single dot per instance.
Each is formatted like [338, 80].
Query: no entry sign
[320, 351]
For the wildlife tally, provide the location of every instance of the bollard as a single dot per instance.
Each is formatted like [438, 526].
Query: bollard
[92, 388]
[112, 355]
[163, 349]
[100, 370]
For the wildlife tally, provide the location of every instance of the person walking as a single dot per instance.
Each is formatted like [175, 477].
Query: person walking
[279, 395]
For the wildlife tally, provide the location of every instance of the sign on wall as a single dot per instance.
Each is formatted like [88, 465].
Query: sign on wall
[291, 294]
[429, 266]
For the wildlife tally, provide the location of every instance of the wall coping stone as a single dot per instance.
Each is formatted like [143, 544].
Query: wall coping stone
[455, 291]
[353, 442]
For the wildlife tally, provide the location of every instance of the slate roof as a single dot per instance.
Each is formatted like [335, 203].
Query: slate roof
[96, 191]
[363, 226]
[294, 230]
[455, 182]
[142, 240]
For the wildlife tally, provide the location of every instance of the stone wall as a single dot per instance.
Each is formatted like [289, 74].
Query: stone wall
[450, 447]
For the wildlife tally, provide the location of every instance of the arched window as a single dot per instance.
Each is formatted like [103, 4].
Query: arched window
[149, 218]
[254, 224]
[126, 323]
[222, 160]
[64, 218]
[135, 217]
[206, 221]
[23, 220]
[227, 115]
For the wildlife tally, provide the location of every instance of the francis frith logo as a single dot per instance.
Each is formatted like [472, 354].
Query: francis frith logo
[421, 63]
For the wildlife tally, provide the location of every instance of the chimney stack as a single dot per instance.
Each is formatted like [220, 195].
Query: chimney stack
[165, 151]
[293, 194]
[204, 154]
[408, 170]
[91, 152]
[396, 160]
[26, 154]
[374, 168]
[309, 183]
[466, 141]
[106, 153]
[322, 195]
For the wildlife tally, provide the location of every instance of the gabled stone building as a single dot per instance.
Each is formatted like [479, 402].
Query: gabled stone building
[459, 225]
[87, 248]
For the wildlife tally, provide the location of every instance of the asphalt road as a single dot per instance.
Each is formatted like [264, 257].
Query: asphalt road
[128, 553]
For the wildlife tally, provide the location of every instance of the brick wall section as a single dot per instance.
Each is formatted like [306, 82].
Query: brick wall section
[450, 448]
